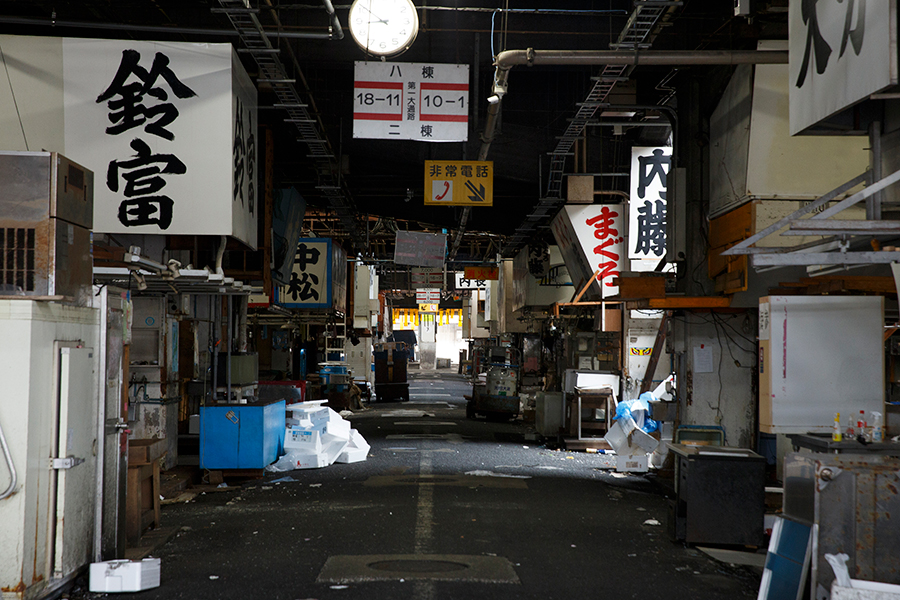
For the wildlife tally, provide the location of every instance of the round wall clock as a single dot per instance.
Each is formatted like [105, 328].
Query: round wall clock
[383, 27]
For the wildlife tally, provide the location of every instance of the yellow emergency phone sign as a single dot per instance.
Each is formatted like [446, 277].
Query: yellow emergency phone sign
[459, 183]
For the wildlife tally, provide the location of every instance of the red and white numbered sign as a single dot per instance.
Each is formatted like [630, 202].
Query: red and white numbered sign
[428, 102]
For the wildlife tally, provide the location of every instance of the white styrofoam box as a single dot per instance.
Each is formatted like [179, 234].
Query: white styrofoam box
[618, 433]
[305, 422]
[357, 450]
[332, 446]
[124, 575]
[642, 442]
[632, 464]
[308, 439]
[308, 414]
[308, 460]
[337, 425]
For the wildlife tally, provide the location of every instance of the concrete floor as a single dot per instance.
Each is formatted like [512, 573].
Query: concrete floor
[444, 508]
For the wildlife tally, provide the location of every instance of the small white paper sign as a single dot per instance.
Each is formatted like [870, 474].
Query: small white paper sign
[703, 359]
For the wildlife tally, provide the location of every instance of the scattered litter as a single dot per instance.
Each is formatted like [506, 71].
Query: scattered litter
[641, 509]
[213, 576]
[222, 485]
[406, 413]
[315, 485]
[838, 564]
[266, 487]
[619, 475]
[526, 447]
[180, 498]
[284, 479]
[651, 522]
[632, 555]
[570, 458]
[493, 474]
[549, 468]
[342, 587]
[346, 413]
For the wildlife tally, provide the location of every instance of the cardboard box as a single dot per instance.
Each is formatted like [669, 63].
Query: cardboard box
[633, 464]
[124, 575]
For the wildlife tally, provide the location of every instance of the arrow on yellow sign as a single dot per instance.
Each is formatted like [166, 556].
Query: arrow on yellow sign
[479, 193]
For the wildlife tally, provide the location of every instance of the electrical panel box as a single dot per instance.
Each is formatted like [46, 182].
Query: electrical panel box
[819, 355]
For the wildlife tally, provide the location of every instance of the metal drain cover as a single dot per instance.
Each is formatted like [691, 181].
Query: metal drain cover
[434, 567]
[420, 565]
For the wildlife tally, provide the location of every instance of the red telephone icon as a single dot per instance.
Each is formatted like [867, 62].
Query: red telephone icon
[444, 193]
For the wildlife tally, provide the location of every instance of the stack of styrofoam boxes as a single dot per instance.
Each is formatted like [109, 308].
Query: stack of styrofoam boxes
[316, 436]
[631, 445]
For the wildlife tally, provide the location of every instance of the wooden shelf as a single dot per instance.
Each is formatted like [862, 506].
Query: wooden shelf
[591, 400]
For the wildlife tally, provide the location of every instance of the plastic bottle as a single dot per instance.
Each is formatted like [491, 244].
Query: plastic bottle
[861, 422]
[836, 435]
[850, 433]
[877, 433]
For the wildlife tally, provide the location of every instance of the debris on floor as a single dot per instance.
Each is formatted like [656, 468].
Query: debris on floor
[494, 474]
[316, 436]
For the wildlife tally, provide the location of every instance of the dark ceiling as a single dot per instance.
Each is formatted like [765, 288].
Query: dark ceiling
[379, 176]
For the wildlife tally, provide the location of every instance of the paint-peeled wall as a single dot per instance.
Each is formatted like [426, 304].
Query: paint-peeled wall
[717, 362]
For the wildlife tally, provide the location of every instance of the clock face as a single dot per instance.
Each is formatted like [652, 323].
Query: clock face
[383, 27]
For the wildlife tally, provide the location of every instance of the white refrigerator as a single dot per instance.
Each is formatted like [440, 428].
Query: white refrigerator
[48, 412]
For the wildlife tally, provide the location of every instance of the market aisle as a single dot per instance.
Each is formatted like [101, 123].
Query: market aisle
[443, 508]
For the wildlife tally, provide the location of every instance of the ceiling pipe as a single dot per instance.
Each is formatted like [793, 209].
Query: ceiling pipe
[335, 23]
[511, 58]
[507, 59]
[336, 34]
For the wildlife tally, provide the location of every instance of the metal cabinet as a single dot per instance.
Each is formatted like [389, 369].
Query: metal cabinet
[850, 500]
[241, 436]
[719, 495]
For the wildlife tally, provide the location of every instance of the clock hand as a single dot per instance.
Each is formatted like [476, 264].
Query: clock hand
[380, 20]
